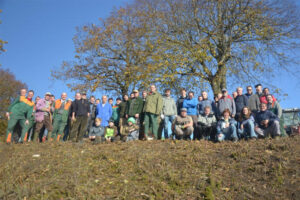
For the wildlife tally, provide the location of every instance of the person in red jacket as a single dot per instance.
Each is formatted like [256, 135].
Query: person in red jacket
[263, 98]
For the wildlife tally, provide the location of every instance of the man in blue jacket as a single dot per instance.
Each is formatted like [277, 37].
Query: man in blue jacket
[104, 111]
[191, 105]
[206, 102]
[267, 123]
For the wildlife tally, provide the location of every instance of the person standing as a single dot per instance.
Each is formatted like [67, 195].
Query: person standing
[20, 111]
[226, 102]
[169, 111]
[92, 117]
[80, 114]
[116, 112]
[249, 92]
[60, 117]
[142, 125]
[254, 100]
[43, 117]
[135, 107]
[152, 109]
[241, 101]
[206, 102]
[191, 105]
[123, 110]
[263, 98]
[180, 100]
[104, 111]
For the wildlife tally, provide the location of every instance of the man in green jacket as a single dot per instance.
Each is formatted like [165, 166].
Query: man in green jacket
[60, 117]
[152, 108]
[135, 107]
[20, 111]
[123, 110]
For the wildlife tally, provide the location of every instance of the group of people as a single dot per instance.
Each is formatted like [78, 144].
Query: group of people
[151, 116]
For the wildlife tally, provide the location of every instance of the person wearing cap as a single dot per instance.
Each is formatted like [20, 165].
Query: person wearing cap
[130, 131]
[111, 131]
[43, 116]
[19, 112]
[152, 109]
[191, 105]
[79, 120]
[135, 107]
[116, 112]
[254, 101]
[60, 117]
[169, 111]
[104, 111]
[182, 125]
[226, 102]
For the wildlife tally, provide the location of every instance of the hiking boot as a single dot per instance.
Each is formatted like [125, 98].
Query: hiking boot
[235, 140]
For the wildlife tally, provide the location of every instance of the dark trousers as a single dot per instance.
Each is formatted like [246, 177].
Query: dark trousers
[195, 121]
[78, 128]
[206, 132]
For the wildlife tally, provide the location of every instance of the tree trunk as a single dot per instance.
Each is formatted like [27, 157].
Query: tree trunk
[218, 82]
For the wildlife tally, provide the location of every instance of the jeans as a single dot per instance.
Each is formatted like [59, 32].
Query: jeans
[227, 133]
[248, 130]
[166, 125]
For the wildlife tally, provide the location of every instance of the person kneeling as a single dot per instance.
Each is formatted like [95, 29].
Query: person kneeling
[226, 128]
[246, 121]
[97, 132]
[207, 124]
[130, 131]
[267, 123]
[182, 126]
[111, 131]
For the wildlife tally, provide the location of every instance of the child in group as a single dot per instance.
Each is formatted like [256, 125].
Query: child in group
[111, 131]
[97, 132]
[130, 131]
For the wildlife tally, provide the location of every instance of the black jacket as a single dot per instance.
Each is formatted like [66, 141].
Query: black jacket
[81, 107]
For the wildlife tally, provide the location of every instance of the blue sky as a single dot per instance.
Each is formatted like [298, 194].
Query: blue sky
[40, 32]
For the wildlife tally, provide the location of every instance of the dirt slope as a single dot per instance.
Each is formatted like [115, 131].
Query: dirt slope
[263, 169]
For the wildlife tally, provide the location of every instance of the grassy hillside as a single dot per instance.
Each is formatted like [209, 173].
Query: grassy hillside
[263, 169]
